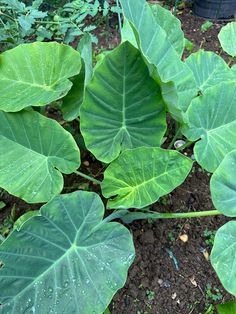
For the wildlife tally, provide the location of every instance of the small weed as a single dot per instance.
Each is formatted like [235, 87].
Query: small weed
[205, 26]
[188, 45]
[150, 295]
[171, 236]
[209, 236]
[213, 293]
[7, 225]
[209, 309]
[165, 200]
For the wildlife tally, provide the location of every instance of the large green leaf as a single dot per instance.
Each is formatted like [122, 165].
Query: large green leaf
[165, 19]
[175, 77]
[36, 74]
[209, 69]
[140, 176]
[66, 260]
[223, 185]
[227, 37]
[212, 119]
[171, 25]
[34, 151]
[227, 308]
[223, 256]
[73, 100]
[123, 107]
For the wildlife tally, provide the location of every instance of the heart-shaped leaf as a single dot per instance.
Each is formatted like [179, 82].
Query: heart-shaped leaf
[34, 152]
[175, 77]
[227, 38]
[209, 69]
[140, 176]
[171, 25]
[223, 256]
[66, 260]
[36, 74]
[223, 185]
[123, 106]
[212, 119]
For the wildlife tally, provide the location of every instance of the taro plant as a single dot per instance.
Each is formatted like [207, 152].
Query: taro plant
[66, 257]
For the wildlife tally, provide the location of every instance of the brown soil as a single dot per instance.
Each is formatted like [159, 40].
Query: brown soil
[168, 276]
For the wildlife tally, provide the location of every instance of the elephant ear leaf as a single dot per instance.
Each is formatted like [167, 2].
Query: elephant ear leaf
[65, 260]
[227, 38]
[223, 185]
[209, 69]
[174, 76]
[139, 177]
[212, 120]
[34, 152]
[123, 107]
[36, 74]
[171, 25]
[223, 256]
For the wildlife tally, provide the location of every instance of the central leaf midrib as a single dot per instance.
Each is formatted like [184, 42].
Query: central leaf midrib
[46, 87]
[41, 154]
[154, 178]
[72, 248]
[124, 96]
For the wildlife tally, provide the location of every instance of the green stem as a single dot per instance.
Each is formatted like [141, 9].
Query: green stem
[154, 215]
[174, 138]
[189, 143]
[8, 16]
[187, 215]
[87, 177]
[47, 22]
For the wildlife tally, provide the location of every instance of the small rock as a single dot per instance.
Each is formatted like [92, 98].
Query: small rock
[183, 237]
[173, 296]
[193, 281]
[160, 282]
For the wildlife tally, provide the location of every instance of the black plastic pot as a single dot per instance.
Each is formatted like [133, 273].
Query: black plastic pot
[215, 9]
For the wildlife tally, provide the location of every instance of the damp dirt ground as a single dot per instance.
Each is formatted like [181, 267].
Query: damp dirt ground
[171, 273]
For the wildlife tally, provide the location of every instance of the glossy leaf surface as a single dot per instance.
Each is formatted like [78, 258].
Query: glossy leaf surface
[223, 186]
[209, 69]
[66, 260]
[34, 150]
[123, 106]
[212, 121]
[36, 74]
[223, 256]
[171, 25]
[140, 176]
[176, 79]
[227, 37]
